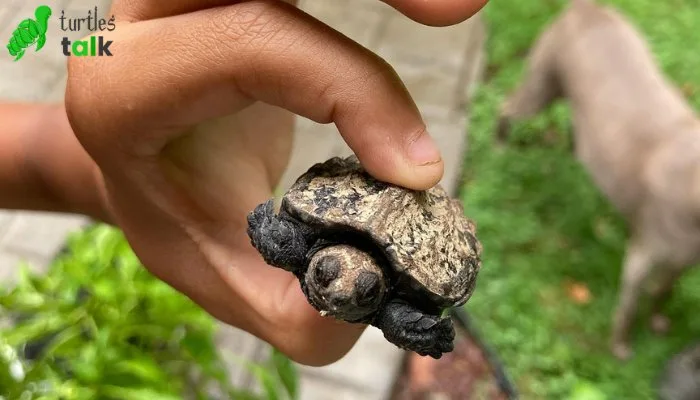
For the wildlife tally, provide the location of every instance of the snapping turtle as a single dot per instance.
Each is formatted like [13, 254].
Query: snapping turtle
[370, 252]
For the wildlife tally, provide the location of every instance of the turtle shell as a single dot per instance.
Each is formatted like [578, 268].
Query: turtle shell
[428, 242]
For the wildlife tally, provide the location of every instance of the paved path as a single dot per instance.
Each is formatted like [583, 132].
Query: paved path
[439, 67]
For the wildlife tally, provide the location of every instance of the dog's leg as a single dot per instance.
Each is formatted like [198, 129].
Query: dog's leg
[636, 268]
[538, 90]
[660, 294]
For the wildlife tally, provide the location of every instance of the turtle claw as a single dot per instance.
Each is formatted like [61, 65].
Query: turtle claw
[411, 329]
[278, 240]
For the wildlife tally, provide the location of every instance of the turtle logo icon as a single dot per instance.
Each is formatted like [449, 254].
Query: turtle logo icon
[30, 32]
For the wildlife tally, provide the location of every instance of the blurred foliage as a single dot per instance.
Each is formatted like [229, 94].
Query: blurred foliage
[553, 246]
[99, 326]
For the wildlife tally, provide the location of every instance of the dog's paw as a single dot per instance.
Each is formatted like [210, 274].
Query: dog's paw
[660, 324]
[621, 351]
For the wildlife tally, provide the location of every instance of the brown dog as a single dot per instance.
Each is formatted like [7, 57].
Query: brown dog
[635, 134]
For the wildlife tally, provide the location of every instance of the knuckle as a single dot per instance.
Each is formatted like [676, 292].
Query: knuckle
[368, 71]
[132, 10]
[249, 24]
[380, 71]
[93, 88]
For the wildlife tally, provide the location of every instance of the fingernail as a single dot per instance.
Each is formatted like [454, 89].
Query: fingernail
[424, 151]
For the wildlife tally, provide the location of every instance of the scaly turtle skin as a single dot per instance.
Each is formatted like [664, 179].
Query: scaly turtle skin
[366, 251]
[30, 32]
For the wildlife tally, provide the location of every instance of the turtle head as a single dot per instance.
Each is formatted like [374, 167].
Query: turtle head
[345, 282]
[42, 13]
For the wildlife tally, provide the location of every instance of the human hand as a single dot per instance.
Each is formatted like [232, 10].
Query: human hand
[190, 125]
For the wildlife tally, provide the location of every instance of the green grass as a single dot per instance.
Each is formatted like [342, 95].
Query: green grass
[99, 326]
[543, 224]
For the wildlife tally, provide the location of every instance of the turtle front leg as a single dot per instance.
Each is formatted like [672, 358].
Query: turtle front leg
[411, 329]
[281, 241]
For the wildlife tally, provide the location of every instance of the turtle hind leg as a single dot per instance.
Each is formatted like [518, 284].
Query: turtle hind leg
[412, 329]
[281, 241]
[40, 42]
[19, 55]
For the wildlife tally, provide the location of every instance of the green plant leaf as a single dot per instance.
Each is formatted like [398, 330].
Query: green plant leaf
[23, 301]
[39, 326]
[200, 346]
[25, 281]
[237, 394]
[72, 390]
[105, 290]
[287, 372]
[122, 393]
[65, 341]
[146, 370]
[86, 370]
[117, 332]
[586, 391]
[266, 378]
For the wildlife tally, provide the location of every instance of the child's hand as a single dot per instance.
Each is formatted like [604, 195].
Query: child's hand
[190, 125]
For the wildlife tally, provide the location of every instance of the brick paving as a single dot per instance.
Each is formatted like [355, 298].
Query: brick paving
[439, 66]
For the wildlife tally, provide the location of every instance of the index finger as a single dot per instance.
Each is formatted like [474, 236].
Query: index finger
[215, 62]
[437, 12]
[434, 12]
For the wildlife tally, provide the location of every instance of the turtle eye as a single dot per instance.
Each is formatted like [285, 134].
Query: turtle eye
[367, 288]
[327, 271]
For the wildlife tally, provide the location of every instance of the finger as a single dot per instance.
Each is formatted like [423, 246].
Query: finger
[437, 12]
[214, 62]
[225, 275]
[141, 10]
[270, 302]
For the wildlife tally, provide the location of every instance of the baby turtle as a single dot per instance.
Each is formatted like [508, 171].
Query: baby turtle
[370, 252]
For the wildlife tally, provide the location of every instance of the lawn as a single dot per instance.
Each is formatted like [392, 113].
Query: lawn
[553, 246]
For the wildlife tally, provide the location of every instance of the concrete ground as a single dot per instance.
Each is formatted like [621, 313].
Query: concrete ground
[439, 66]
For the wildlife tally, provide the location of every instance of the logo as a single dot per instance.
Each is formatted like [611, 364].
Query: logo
[30, 32]
[96, 45]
